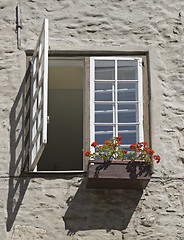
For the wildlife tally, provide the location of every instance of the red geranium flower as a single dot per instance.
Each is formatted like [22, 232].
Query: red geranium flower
[132, 146]
[106, 142]
[125, 151]
[149, 150]
[145, 144]
[138, 149]
[142, 144]
[139, 144]
[119, 143]
[110, 144]
[94, 144]
[157, 157]
[87, 153]
[119, 138]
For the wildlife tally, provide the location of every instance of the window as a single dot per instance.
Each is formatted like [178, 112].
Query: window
[88, 97]
[116, 99]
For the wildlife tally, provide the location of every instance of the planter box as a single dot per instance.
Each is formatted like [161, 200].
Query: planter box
[118, 174]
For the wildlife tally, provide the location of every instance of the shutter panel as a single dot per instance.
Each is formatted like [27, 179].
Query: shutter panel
[39, 97]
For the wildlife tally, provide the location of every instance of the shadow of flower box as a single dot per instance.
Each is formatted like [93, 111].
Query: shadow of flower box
[118, 174]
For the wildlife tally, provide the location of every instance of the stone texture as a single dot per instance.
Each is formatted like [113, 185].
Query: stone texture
[27, 233]
[58, 209]
[61, 207]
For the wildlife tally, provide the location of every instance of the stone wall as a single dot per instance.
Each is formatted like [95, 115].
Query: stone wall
[59, 207]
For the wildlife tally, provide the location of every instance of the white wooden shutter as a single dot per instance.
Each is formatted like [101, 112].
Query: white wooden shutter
[39, 97]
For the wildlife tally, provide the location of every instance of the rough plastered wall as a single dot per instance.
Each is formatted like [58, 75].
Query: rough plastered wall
[59, 207]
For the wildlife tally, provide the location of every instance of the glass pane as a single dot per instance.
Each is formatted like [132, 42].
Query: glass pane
[103, 113]
[129, 138]
[102, 129]
[129, 134]
[103, 91]
[127, 113]
[103, 107]
[131, 128]
[127, 70]
[127, 91]
[106, 117]
[104, 70]
[101, 138]
[103, 133]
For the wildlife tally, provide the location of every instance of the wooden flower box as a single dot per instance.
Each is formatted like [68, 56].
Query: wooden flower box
[118, 174]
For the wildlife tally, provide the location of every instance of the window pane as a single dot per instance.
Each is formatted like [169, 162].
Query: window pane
[130, 128]
[128, 133]
[106, 117]
[101, 138]
[103, 113]
[102, 129]
[129, 138]
[103, 133]
[103, 91]
[127, 113]
[127, 91]
[104, 70]
[103, 107]
[127, 70]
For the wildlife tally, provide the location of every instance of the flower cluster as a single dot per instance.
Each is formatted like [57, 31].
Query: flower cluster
[112, 150]
[141, 151]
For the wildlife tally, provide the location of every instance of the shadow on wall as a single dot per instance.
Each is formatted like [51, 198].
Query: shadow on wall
[19, 140]
[109, 209]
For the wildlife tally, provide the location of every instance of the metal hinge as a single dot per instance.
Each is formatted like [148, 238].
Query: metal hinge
[48, 119]
[140, 62]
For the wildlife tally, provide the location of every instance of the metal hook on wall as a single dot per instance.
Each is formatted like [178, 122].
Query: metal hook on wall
[18, 26]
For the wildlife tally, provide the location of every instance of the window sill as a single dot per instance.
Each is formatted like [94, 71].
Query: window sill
[77, 171]
[53, 174]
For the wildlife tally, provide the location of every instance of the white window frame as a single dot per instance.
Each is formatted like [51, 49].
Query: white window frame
[139, 102]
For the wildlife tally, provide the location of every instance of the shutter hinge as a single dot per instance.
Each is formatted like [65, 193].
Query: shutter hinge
[140, 63]
[48, 119]
[31, 65]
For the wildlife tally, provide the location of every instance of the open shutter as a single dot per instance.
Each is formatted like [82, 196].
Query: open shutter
[39, 97]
